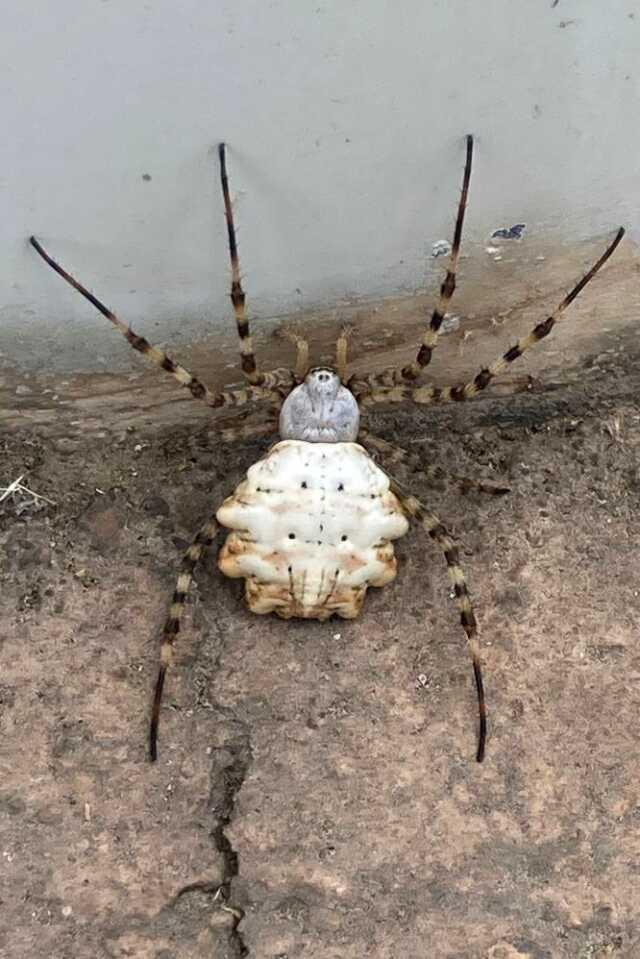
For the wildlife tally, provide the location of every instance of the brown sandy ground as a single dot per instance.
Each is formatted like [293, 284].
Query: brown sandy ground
[307, 776]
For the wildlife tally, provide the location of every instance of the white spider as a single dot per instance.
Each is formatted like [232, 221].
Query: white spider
[313, 523]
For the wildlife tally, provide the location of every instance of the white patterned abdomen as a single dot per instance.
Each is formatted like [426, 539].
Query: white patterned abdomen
[312, 528]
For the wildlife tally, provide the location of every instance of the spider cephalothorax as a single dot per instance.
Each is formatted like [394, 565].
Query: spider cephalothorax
[312, 524]
[320, 410]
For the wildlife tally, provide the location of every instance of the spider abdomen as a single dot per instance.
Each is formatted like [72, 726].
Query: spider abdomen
[312, 526]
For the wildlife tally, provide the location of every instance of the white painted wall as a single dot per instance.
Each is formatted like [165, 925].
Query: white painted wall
[344, 120]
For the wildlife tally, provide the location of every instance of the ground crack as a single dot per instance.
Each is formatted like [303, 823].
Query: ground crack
[230, 764]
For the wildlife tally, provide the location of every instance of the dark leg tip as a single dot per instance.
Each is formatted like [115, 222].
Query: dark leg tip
[155, 713]
[482, 739]
[221, 149]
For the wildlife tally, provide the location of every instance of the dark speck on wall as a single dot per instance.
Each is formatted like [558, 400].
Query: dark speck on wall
[510, 233]
[146, 177]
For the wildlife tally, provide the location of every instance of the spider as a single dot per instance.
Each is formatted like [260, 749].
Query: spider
[312, 524]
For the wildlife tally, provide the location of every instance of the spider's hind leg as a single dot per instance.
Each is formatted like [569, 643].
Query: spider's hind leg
[204, 537]
[440, 535]
[393, 454]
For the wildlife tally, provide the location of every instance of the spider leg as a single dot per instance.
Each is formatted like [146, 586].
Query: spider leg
[203, 538]
[447, 289]
[274, 378]
[440, 535]
[302, 357]
[393, 454]
[238, 296]
[431, 395]
[391, 376]
[342, 347]
[302, 349]
[158, 356]
[250, 431]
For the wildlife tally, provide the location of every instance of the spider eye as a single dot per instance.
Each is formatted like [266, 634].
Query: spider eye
[303, 484]
[343, 538]
[292, 535]
[340, 487]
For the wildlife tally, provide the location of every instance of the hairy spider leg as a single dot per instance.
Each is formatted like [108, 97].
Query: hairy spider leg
[432, 395]
[238, 296]
[342, 350]
[275, 378]
[248, 431]
[158, 356]
[204, 537]
[440, 535]
[396, 454]
[289, 332]
[392, 375]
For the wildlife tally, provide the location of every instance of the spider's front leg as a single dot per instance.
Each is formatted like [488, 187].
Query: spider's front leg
[238, 296]
[433, 395]
[392, 376]
[161, 359]
[255, 376]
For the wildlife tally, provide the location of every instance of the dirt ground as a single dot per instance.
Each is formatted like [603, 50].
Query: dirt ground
[316, 793]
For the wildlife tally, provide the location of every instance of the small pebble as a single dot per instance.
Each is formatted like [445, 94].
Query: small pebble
[440, 248]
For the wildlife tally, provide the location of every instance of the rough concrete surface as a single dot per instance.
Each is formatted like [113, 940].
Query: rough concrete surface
[317, 781]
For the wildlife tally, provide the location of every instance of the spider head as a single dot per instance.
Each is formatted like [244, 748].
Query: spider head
[322, 380]
[320, 410]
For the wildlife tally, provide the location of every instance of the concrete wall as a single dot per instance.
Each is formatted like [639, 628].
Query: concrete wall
[344, 120]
